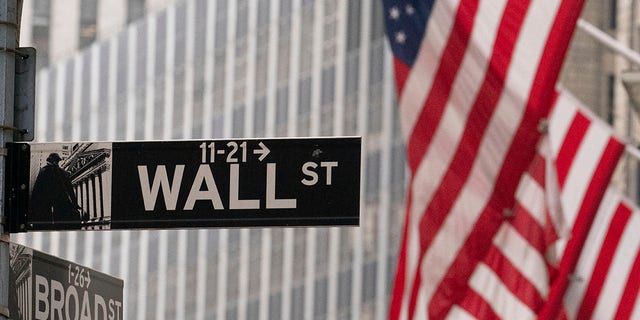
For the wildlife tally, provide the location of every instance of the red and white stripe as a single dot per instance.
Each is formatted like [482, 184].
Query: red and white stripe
[469, 109]
[607, 278]
[586, 152]
[514, 279]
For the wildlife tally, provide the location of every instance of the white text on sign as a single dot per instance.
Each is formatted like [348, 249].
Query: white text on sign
[204, 177]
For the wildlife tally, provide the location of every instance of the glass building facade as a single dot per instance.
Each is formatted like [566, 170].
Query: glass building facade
[248, 68]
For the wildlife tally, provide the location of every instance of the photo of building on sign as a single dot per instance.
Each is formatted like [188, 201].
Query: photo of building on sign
[70, 186]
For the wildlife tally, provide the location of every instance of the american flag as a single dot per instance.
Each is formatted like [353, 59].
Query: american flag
[556, 202]
[606, 281]
[585, 153]
[474, 79]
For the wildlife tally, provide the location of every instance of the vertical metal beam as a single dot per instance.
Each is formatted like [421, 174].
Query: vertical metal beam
[209, 65]
[292, 131]
[207, 111]
[250, 77]
[363, 108]
[169, 76]
[223, 243]
[169, 87]
[294, 68]
[8, 11]
[187, 129]
[58, 108]
[249, 98]
[181, 274]
[190, 26]
[384, 205]
[230, 68]
[131, 101]
[272, 68]
[201, 276]
[316, 90]
[143, 266]
[338, 130]
[94, 92]
[76, 102]
[150, 77]
[42, 98]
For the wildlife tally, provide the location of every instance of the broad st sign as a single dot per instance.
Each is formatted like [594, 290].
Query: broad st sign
[46, 287]
[184, 184]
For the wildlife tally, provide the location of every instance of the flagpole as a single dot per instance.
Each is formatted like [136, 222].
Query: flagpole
[633, 151]
[618, 47]
[609, 42]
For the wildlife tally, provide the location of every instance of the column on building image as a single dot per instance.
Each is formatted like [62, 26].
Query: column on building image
[91, 182]
[91, 196]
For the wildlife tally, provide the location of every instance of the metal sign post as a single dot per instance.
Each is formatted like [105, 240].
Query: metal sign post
[9, 23]
[185, 184]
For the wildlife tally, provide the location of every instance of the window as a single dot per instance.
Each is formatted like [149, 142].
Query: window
[304, 96]
[85, 94]
[68, 96]
[297, 303]
[285, 8]
[242, 21]
[88, 17]
[353, 25]
[259, 112]
[275, 306]
[282, 96]
[306, 40]
[613, 14]
[238, 121]
[352, 69]
[373, 170]
[282, 105]
[40, 32]
[263, 13]
[328, 90]
[103, 82]
[369, 281]
[377, 21]
[283, 50]
[376, 62]
[133, 281]
[344, 289]
[135, 10]
[179, 69]
[320, 299]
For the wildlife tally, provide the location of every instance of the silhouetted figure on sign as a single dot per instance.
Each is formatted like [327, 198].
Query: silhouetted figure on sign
[53, 199]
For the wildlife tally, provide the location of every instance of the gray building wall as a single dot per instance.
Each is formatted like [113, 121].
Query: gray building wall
[251, 68]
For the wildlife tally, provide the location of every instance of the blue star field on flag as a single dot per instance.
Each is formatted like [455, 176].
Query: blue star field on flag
[406, 21]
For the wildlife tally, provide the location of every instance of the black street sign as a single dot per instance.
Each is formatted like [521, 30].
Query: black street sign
[45, 287]
[184, 184]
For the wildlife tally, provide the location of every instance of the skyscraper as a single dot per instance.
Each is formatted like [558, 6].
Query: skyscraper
[218, 69]
[159, 69]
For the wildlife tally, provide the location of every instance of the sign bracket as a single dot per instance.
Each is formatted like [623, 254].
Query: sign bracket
[16, 186]
[24, 95]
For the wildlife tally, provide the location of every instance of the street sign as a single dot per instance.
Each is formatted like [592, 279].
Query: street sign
[184, 184]
[45, 287]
